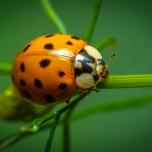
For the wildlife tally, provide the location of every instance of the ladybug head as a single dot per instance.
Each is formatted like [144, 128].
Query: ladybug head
[90, 68]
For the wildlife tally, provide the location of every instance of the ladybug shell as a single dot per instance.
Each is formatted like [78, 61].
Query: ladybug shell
[42, 76]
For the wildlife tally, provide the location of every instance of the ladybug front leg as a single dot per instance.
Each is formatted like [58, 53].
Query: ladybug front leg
[84, 92]
[95, 88]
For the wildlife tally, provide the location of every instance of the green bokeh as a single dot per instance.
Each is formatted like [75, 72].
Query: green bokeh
[131, 23]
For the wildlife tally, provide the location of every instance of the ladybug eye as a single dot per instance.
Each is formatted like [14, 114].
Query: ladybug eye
[101, 62]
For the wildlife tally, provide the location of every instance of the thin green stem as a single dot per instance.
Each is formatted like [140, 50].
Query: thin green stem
[51, 135]
[113, 106]
[66, 128]
[105, 43]
[93, 20]
[90, 111]
[10, 140]
[37, 123]
[66, 137]
[127, 81]
[54, 18]
[5, 68]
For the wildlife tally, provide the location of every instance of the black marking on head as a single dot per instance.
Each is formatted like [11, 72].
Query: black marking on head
[61, 74]
[38, 83]
[26, 48]
[88, 58]
[26, 94]
[49, 35]
[74, 37]
[86, 68]
[22, 67]
[95, 76]
[69, 43]
[62, 86]
[78, 71]
[45, 62]
[49, 46]
[22, 83]
[49, 98]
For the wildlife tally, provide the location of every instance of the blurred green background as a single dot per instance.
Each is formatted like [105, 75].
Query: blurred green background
[131, 23]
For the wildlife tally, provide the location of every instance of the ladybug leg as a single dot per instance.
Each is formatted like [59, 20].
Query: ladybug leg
[84, 92]
[68, 100]
[95, 88]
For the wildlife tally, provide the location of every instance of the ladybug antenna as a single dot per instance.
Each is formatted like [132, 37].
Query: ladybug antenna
[110, 58]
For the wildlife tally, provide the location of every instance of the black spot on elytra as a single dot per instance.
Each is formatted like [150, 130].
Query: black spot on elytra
[26, 48]
[78, 71]
[49, 98]
[22, 83]
[49, 35]
[61, 74]
[74, 37]
[45, 62]
[26, 94]
[49, 46]
[69, 43]
[22, 67]
[38, 83]
[62, 86]
[95, 76]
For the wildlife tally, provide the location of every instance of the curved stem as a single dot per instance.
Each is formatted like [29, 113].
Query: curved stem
[94, 109]
[10, 140]
[51, 135]
[93, 20]
[54, 18]
[113, 106]
[37, 123]
[105, 42]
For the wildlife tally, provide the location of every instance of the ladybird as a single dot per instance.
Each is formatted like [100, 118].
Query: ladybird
[50, 68]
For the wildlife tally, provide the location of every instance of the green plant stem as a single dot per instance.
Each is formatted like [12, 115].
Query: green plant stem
[37, 123]
[65, 124]
[127, 81]
[66, 128]
[90, 111]
[113, 106]
[93, 20]
[10, 140]
[52, 131]
[54, 18]
[66, 137]
[106, 42]
[5, 68]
